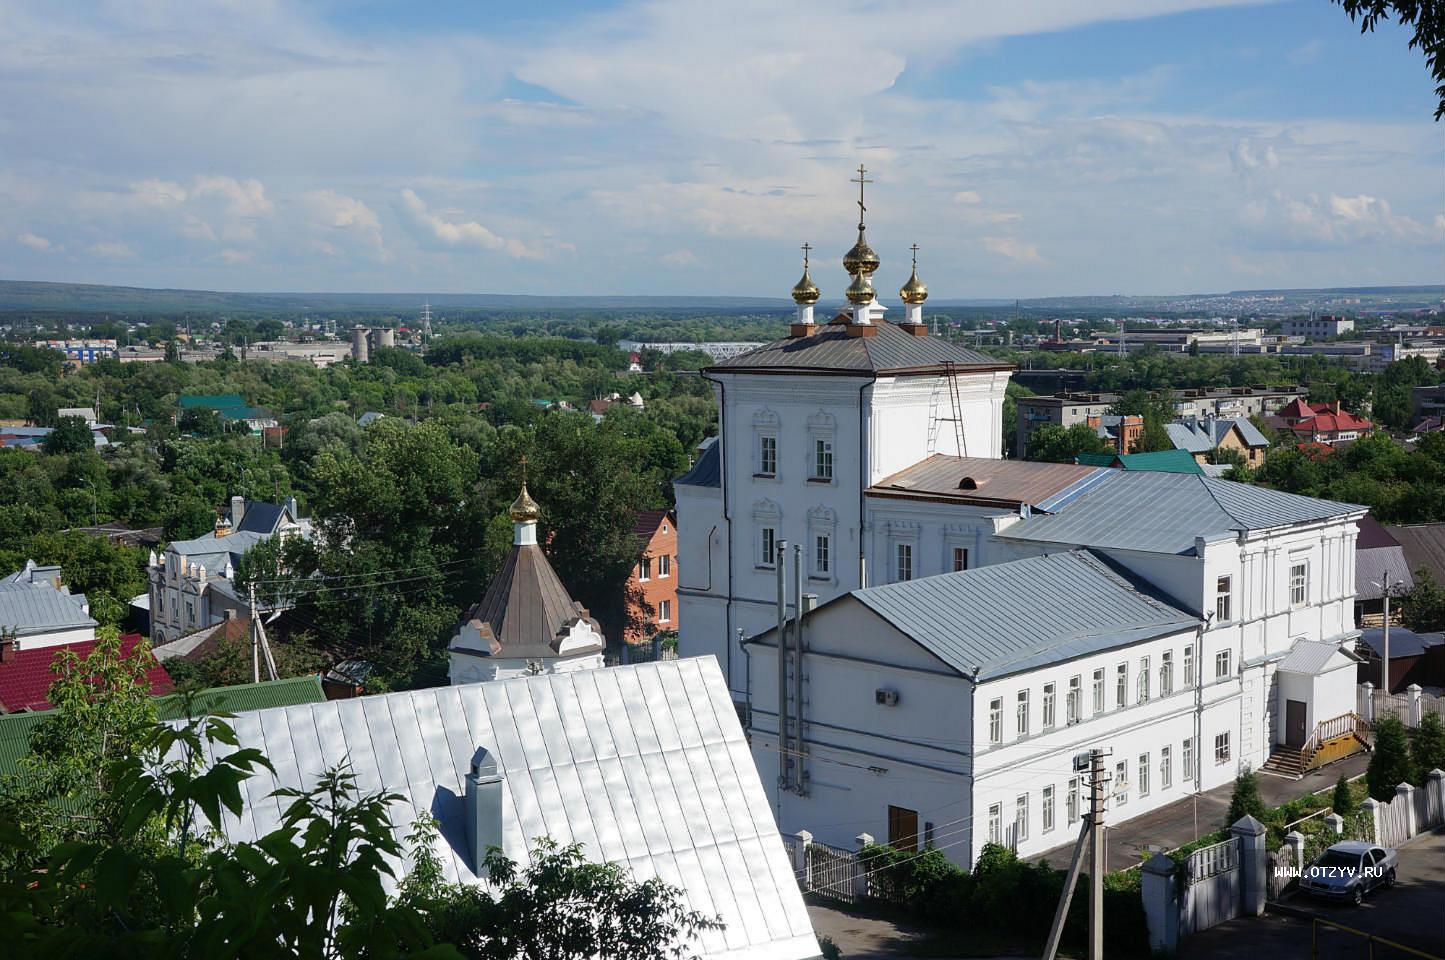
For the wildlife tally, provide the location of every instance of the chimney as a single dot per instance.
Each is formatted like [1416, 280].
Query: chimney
[292, 509]
[238, 511]
[483, 807]
[9, 647]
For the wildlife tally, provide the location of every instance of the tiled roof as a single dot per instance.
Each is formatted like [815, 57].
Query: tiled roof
[978, 479]
[707, 471]
[25, 681]
[831, 349]
[1005, 618]
[648, 521]
[644, 765]
[1165, 512]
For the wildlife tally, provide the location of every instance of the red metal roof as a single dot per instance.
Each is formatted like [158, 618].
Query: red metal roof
[648, 521]
[25, 681]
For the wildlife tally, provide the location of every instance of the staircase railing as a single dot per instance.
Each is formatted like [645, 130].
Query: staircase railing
[1343, 725]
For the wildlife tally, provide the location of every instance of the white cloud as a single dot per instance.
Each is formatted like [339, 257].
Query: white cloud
[1332, 220]
[1013, 249]
[468, 233]
[36, 242]
[680, 258]
[337, 213]
[111, 250]
[244, 198]
[967, 196]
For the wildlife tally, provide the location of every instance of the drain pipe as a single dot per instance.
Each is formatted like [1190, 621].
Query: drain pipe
[728, 521]
[809, 601]
[780, 560]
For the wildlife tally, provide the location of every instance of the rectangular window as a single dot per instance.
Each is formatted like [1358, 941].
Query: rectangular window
[1221, 665]
[1166, 768]
[995, 720]
[1047, 809]
[822, 554]
[644, 569]
[768, 541]
[1189, 665]
[190, 612]
[768, 456]
[1099, 691]
[823, 459]
[1143, 680]
[960, 559]
[995, 823]
[1299, 584]
[1186, 769]
[1071, 802]
[1048, 706]
[1221, 600]
[1143, 774]
[1121, 782]
[664, 611]
[903, 561]
[1121, 686]
[1023, 713]
[664, 566]
[1166, 673]
[1221, 748]
[1072, 707]
[1021, 818]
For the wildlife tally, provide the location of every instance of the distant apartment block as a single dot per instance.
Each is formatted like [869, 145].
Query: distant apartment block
[1227, 403]
[1428, 408]
[1326, 326]
[81, 351]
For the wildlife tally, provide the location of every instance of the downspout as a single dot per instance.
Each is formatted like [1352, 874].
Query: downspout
[780, 560]
[862, 487]
[727, 519]
[798, 666]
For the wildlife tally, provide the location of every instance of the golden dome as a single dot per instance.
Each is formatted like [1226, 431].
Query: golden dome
[914, 290]
[861, 259]
[860, 291]
[806, 291]
[524, 508]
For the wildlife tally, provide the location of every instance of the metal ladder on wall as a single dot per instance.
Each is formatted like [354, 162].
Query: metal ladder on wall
[951, 372]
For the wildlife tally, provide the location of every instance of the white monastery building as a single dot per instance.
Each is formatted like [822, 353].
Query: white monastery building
[971, 624]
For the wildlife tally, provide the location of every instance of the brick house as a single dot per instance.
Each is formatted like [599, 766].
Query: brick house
[652, 588]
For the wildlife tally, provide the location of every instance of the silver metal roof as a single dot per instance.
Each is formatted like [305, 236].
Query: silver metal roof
[1008, 617]
[831, 349]
[31, 609]
[1310, 657]
[1164, 512]
[644, 765]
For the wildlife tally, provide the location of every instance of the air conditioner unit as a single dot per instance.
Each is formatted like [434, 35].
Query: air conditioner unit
[888, 698]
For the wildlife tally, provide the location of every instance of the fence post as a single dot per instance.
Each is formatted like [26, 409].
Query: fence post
[1414, 692]
[1369, 712]
[860, 874]
[1161, 903]
[1295, 842]
[1404, 797]
[1336, 823]
[1434, 799]
[1248, 834]
[801, 870]
[1372, 813]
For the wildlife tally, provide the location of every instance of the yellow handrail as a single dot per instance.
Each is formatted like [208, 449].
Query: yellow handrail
[1369, 937]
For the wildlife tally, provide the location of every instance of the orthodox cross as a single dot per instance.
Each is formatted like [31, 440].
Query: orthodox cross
[914, 248]
[862, 179]
[806, 248]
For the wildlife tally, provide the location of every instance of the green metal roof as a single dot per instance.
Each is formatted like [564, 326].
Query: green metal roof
[213, 401]
[1159, 461]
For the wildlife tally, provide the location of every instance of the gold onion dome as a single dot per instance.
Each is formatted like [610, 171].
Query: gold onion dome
[860, 291]
[861, 259]
[914, 291]
[524, 508]
[806, 291]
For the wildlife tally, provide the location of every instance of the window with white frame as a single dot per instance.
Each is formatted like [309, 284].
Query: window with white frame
[769, 518]
[1099, 691]
[1166, 673]
[644, 569]
[1121, 782]
[1143, 774]
[767, 455]
[1189, 665]
[822, 555]
[664, 611]
[1186, 768]
[1221, 748]
[1222, 598]
[1221, 665]
[822, 459]
[1048, 706]
[1299, 584]
[1121, 685]
[1021, 818]
[1022, 712]
[1072, 707]
[995, 720]
[1046, 809]
[767, 546]
[1071, 802]
[1166, 768]
[902, 562]
[1143, 680]
[822, 523]
[664, 567]
[995, 823]
[960, 559]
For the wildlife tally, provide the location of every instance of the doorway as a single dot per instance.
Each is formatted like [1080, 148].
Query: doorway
[1294, 723]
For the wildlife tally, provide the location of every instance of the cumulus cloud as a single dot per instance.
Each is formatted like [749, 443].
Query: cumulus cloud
[468, 233]
[967, 196]
[1013, 249]
[1332, 220]
[36, 242]
[339, 215]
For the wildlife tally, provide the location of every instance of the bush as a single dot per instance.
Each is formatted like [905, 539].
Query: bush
[1342, 802]
[1245, 801]
[1427, 747]
[1390, 763]
[829, 948]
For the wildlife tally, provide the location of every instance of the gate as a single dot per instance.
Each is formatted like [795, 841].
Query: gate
[832, 872]
[1211, 892]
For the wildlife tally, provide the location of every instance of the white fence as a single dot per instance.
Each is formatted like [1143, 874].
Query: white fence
[1412, 811]
[1217, 883]
[1408, 707]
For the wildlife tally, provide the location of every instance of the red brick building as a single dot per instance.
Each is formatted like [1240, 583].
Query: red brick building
[653, 584]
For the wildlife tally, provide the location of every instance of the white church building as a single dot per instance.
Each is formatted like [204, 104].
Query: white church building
[975, 623]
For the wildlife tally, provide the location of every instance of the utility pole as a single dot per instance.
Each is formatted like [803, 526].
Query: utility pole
[1385, 634]
[260, 646]
[1097, 863]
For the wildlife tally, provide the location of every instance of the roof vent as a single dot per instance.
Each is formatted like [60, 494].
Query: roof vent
[969, 483]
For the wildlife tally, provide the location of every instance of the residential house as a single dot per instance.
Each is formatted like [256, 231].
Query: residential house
[1424, 547]
[1323, 423]
[1120, 432]
[1160, 461]
[1427, 409]
[1203, 438]
[652, 586]
[1417, 658]
[526, 622]
[26, 674]
[1380, 565]
[192, 582]
[231, 408]
[38, 610]
[645, 766]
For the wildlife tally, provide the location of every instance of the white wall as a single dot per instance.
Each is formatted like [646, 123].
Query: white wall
[54, 638]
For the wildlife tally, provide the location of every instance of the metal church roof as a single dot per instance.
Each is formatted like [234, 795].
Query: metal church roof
[832, 350]
[707, 471]
[644, 765]
[1007, 483]
[1005, 618]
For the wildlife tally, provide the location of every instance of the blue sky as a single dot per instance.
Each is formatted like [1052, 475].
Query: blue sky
[674, 147]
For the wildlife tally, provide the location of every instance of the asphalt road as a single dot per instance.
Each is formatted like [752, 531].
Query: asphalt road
[1413, 913]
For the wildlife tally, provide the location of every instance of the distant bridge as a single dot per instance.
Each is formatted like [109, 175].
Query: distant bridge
[718, 350]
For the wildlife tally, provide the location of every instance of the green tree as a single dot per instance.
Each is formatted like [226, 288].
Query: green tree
[1427, 747]
[1055, 444]
[1341, 801]
[1423, 608]
[173, 352]
[108, 574]
[1245, 801]
[70, 435]
[1428, 19]
[1390, 761]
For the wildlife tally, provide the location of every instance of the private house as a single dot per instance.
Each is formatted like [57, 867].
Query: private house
[652, 588]
[1120, 431]
[26, 674]
[1417, 658]
[1322, 423]
[1201, 438]
[38, 610]
[1159, 461]
[1380, 564]
[191, 582]
[526, 622]
[1424, 547]
[644, 765]
[231, 408]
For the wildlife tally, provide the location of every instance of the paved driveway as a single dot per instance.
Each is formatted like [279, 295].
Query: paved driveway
[1413, 913]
